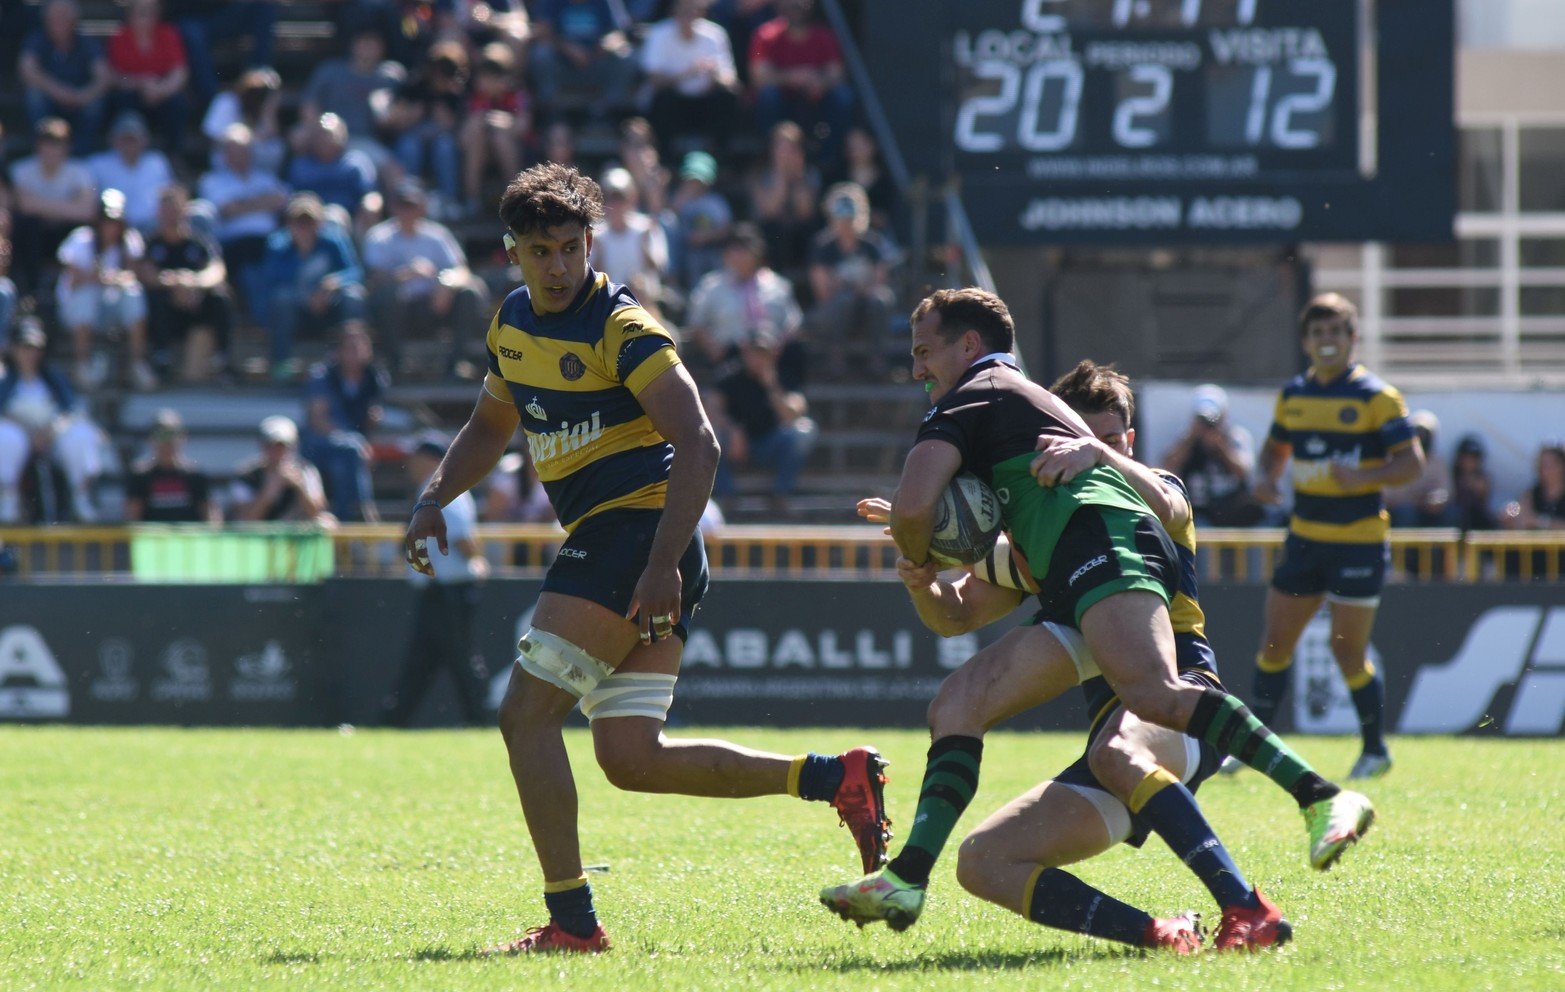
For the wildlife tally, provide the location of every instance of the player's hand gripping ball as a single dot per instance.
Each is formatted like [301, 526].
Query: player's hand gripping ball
[967, 522]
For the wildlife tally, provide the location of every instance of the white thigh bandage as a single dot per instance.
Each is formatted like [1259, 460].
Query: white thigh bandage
[1116, 817]
[1076, 646]
[630, 694]
[559, 662]
[1371, 601]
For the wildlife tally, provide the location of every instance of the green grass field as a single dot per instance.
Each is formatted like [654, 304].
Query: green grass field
[376, 860]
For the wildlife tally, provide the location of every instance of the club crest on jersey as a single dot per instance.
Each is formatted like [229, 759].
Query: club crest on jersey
[572, 367]
[1348, 414]
[535, 409]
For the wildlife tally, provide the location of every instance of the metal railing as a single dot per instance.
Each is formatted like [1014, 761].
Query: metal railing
[852, 552]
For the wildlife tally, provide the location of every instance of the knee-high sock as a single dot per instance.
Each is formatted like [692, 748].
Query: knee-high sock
[570, 905]
[1270, 687]
[1059, 899]
[1171, 811]
[950, 780]
[1224, 722]
[1369, 699]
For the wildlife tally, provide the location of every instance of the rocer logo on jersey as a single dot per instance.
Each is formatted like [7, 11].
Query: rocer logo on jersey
[514, 354]
[571, 367]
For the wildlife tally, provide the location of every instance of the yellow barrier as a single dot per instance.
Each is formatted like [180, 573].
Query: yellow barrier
[851, 552]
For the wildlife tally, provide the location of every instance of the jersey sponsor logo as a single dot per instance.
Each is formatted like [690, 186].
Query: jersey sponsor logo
[570, 437]
[32, 683]
[634, 329]
[932, 411]
[514, 354]
[1522, 646]
[572, 367]
[536, 409]
[576, 553]
[1087, 567]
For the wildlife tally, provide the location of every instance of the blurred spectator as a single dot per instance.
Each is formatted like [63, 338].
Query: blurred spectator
[1472, 488]
[98, 293]
[311, 275]
[278, 485]
[357, 88]
[796, 74]
[486, 22]
[8, 297]
[66, 75]
[166, 488]
[329, 168]
[188, 299]
[418, 277]
[629, 245]
[638, 153]
[849, 277]
[580, 45]
[342, 408]
[1426, 501]
[249, 201]
[702, 219]
[559, 143]
[1542, 507]
[498, 127]
[134, 168]
[442, 634]
[147, 58]
[862, 164]
[409, 26]
[54, 194]
[425, 114]
[783, 196]
[253, 101]
[742, 299]
[204, 26]
[43, 427]
[692, 88]
[1215, 457]
[758, 422]
[514, 493]
[740, 18]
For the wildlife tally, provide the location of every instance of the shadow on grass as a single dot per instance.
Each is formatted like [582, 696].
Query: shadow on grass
[447, 954]
[957, 959]
[292, 957]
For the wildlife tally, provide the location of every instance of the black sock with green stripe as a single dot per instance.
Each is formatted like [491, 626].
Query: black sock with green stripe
[950, 781]
[1224, 722]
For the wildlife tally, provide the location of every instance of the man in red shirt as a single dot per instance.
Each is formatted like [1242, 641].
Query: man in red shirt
[797, 74]
[147, 61]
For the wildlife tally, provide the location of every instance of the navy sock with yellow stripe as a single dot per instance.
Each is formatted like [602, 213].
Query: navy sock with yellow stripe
[570, 906]
[1368, 690]
[1059, 899]
[1270, 687]
[950, 781]
[1171, 811]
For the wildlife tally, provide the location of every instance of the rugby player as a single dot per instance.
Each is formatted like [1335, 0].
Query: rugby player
[1349, 437]
[626, 454]
[1109, 570]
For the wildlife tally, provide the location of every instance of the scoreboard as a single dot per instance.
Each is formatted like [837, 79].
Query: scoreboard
[1156, 121]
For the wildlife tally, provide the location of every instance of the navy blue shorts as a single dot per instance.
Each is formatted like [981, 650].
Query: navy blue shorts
[605, 555]
[1342, 571]
[1079, 774]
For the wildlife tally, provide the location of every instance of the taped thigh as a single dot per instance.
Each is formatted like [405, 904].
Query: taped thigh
[560, 663]
[630, 694]
[1116, 817]
[1076, 646]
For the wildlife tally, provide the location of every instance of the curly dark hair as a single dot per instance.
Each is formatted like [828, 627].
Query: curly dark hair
[548, 195]
[1092, 388]
[970, 309]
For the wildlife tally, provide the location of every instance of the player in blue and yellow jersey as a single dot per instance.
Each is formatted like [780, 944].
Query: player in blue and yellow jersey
[626, 454]
[1348, 435]
[1119, 789]
[1105, 567]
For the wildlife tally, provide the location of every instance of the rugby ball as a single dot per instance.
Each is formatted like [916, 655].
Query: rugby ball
[967, 522]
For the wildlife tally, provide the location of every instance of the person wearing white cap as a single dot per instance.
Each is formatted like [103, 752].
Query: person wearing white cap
[40, 417]
[279, 485]
[1215, 458]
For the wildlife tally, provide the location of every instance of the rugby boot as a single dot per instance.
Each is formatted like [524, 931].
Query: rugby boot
[550, 939]
[1182, 934]
[860, 803]
[882, 896]
[1370, 766]
[1249, 929]
[1336, 824]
